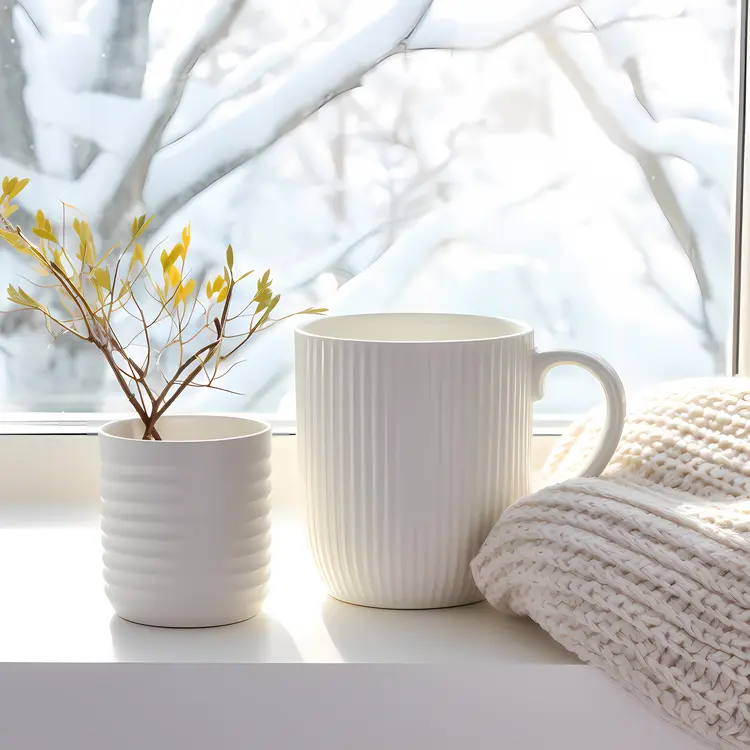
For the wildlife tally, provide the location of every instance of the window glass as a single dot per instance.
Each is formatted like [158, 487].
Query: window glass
[571, 166]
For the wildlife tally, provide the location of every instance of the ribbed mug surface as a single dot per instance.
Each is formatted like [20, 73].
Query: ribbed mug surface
[410, 449]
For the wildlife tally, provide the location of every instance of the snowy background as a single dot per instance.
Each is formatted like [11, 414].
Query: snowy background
[569, 165]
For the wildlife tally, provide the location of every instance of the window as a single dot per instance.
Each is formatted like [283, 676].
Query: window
[572, 166]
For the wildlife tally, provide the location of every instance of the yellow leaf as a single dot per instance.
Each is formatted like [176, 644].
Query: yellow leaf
[19, 186]
[143, 223]
[44, 234]
[230, 257]
[134, 227]
[174, 275]
[10, 237]
[183, 292]
[263, 297]
[15, 241]
[222, 294]
[102, 278]
[218, 282]
[24, 299]
[177, 252]
[86, 247]
[137, 257]
[268, 310]
[28, 300]
[164, 258]
[124, 289]
[209, 290]
[86, 253]
[186, 237]
[9, 210]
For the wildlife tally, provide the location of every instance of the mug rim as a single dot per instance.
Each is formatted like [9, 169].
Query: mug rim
[309, 328]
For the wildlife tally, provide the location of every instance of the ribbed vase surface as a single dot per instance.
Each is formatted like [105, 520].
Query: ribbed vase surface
[186, 520]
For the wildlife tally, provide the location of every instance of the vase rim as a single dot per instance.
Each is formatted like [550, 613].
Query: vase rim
[182, 426]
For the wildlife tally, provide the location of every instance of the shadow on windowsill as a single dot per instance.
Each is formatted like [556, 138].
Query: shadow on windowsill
[260, 639]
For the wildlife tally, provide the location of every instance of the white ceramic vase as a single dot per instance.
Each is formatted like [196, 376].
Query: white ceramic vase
[186, 520]
[414, 434]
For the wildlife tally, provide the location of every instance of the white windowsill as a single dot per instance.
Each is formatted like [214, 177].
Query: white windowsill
[307, 671]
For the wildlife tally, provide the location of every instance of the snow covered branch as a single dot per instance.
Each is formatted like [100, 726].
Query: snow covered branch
[200, 159]
[443, 29]
[121, 80]
[707, 146]
[128, 191]
[374, 288]
[127, 51]
[243, 79]
[378, 285]
[616, 99]
[132, 165]
[185, 169]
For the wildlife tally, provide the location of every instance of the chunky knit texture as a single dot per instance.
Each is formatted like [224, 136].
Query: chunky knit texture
[645, 573]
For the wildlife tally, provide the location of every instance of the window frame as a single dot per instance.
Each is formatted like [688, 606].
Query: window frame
[740, 335]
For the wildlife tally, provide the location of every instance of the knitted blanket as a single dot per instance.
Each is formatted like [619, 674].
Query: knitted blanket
[645, 573]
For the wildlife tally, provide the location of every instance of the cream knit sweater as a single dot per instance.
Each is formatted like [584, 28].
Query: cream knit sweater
[645, 573]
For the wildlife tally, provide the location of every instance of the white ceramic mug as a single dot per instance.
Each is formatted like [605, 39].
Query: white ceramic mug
[414, 435]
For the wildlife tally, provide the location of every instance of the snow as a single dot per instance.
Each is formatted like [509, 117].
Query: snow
[72, 50]
[709, 147]
[201, 99]
[457, 24]
[107, 120]
[199, 158]
[469, 182]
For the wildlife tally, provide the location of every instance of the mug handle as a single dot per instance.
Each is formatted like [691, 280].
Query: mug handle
[613, 389]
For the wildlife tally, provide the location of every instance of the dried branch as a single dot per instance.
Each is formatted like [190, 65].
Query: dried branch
[89, 286]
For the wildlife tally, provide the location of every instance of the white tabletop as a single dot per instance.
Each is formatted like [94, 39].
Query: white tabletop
[54, 610]
[349, 676]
